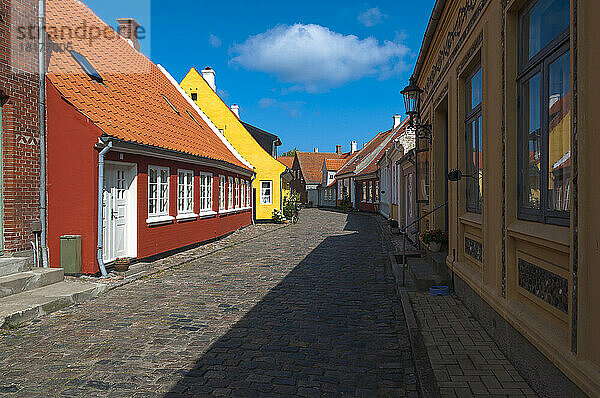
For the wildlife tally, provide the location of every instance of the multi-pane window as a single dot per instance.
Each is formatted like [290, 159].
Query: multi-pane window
[158, 191]
[222, 192]
[474, 141]
[185, 191]
[369, 192]
[237, 193]
[545, 112]
[206, 190]
[243, 193]
[230, 193]
[266, 194]
[249, 195]
[377, 191]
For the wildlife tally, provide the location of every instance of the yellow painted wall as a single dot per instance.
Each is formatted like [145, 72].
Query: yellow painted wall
[266, 167]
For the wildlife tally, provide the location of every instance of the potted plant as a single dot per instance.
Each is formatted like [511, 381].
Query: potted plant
[122, 264]
[394, 227]
[435, 239]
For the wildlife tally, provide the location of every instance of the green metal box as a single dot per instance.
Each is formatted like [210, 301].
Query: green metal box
[70, 254]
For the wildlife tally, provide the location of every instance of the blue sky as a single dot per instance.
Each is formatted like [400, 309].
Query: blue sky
[316, 73]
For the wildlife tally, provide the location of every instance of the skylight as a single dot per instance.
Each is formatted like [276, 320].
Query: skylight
[86, 66]
[193, 118]
[171, 104]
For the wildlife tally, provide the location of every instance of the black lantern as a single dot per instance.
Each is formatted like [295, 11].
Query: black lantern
[412, 100]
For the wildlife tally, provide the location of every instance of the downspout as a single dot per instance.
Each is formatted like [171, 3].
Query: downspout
[42, 121]
[100, 255]
[254, 199]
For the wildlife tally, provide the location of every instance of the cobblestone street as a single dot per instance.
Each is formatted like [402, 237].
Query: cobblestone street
[305, 310]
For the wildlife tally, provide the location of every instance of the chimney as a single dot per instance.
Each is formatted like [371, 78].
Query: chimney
[316, 150]
[397, 120]
[236, 109]
[128, 29]
[209, 75]
[338, 149]
[353, 146]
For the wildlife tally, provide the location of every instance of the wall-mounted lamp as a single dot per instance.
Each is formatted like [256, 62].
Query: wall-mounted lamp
[412, 103]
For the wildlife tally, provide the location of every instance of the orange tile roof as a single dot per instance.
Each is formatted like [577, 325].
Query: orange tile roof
[311, 164]
[287, 161]
[352, 164]
[131, 103]
[334, 164]
[372, 166]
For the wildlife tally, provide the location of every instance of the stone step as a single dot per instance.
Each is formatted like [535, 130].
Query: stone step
[29, 280]
[24, 307]
[13, 265]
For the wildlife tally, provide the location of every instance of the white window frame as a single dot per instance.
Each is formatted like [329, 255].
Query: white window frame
[262, 194]
[222, 191]
[159, 216]
[229, 193]
[237, 193]
[249, 195]
[243, 193]
[185, 212]
[206, 194]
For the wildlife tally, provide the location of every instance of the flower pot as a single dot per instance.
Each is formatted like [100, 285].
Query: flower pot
[121, 267]
[435, 246]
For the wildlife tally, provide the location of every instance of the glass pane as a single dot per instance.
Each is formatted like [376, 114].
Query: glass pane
[544, 22]
[559, 133]
[480, 162]
[531, 143]
[164, 176]
[474, 88]
[153, 176]
[471, 183]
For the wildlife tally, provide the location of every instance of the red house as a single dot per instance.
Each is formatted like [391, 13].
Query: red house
[135, 168]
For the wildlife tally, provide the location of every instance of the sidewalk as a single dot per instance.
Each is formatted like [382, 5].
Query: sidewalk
[465, 360]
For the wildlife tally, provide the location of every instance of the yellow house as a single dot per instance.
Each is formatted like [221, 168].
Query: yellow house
[270, 187]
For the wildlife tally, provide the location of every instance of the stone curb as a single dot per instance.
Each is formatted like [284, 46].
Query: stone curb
[423, 369]
[154, 271]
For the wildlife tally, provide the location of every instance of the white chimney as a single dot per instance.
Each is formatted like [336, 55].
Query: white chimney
[316, 150]
[353, 146]
[209, 75]
[397, 120]
[128, 29]
[236, 109]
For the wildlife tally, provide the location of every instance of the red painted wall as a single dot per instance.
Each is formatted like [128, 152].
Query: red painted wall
[72, 191]
[368, 206]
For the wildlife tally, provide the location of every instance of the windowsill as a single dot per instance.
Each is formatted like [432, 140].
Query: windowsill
[474, 219]
[159, 220]
[238, 210]
[538, 233]
[186, 216]
[207, 213]
[266, 204]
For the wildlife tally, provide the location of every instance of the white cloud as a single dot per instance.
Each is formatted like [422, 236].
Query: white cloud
[371, 17]
[292, 108]
[316, 58]
[214, 41]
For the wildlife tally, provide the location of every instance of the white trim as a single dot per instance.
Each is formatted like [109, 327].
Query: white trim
[229, 211]
[160, 220]
[205, 118]
[208, 190]
[183, 213]
[270, 194]
[186, 216]
[159, 182]
[208, 213]
[222, 193]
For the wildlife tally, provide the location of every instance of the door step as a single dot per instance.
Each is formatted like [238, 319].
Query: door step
[13, 265]
[26, 306]
[29, 280]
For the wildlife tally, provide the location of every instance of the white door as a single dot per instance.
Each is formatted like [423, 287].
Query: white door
[117, 183]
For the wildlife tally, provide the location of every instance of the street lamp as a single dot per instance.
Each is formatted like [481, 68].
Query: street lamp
[412, 103]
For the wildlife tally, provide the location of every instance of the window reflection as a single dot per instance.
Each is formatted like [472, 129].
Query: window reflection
[532, 151]
[546, 20]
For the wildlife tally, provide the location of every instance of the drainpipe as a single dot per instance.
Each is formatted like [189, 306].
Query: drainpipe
[100, 255]
[42, 121]
[254, 201]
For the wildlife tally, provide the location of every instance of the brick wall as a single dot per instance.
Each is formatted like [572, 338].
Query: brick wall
[20, 126]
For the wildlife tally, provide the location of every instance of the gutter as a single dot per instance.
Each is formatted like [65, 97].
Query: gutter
[100, 254]
[434, 20]
[42, 121]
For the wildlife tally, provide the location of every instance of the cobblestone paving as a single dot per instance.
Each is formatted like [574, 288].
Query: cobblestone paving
[465, 360]
[306, 310]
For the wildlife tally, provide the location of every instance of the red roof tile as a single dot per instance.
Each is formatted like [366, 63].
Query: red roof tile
[131, 103]
[333, 164]
[287, 161]
[311, 164]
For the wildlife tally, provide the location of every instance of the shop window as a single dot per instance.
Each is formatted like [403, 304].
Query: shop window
[544, 83]
[474, 140]
[185, 191]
